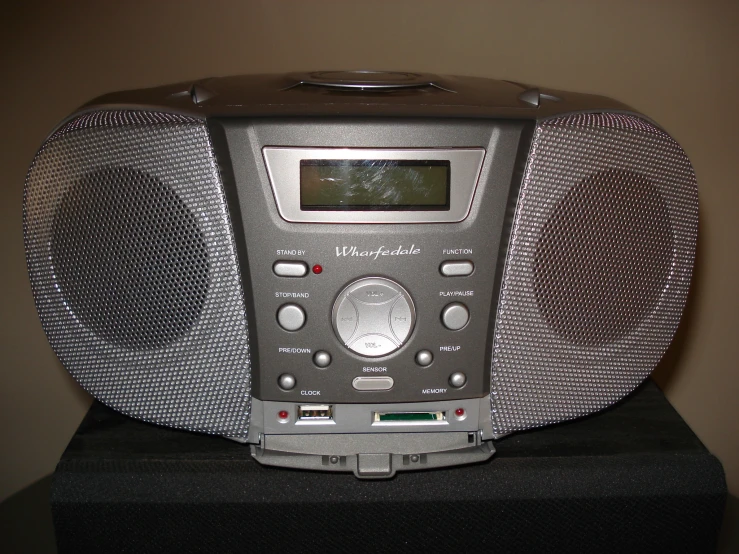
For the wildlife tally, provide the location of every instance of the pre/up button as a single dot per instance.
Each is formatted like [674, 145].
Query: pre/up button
[454, 316]
[424, 358]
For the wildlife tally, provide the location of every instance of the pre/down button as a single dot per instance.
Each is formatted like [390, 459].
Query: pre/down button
[322, 359]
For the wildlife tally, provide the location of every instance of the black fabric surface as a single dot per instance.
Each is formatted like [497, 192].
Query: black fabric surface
[631, 479]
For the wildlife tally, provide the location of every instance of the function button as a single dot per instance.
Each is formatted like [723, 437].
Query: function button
[457, 379]
[373, 383]
[290, 269]
[401, 319]
[322, 359]
[286, 381]
[457, 268]
[373, 346]
[290, 317]
[347, 319]
[454, 316]
[424, 358]
[373, 293]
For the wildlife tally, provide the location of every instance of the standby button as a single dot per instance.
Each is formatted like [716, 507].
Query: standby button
[290, 269]
[373, 383]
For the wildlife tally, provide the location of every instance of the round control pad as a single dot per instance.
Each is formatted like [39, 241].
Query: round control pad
[373, 316]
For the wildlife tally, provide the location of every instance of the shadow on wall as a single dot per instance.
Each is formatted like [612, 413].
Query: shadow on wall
[665, 369]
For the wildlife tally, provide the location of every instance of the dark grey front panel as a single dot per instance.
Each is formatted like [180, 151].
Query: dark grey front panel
[419, 250]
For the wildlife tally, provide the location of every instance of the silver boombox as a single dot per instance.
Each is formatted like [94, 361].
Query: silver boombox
[359, 271]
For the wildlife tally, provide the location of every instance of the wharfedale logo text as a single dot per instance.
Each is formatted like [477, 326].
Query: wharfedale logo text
[350, 251]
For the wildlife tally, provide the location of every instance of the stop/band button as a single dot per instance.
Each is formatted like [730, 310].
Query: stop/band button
[291, 317]
[372, 383]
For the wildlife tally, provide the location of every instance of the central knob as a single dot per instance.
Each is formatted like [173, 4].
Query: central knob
[373, 316]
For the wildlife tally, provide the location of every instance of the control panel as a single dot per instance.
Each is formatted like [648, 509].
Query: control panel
[368, 297]
[371, 319]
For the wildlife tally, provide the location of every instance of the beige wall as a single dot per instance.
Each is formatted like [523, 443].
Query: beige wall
[676, 61]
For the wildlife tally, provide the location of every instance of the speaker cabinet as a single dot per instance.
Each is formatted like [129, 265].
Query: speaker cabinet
[597, 270]
[132, 262]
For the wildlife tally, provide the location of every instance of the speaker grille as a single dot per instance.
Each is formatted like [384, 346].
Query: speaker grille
[608, 239]
[138, 276]
[597, 270]
[132, 262]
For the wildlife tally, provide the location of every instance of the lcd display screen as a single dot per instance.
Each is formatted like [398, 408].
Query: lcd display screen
[365, 185]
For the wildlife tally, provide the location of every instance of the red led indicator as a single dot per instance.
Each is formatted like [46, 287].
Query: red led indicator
[282, 414]
[317, 269]
[459, 412]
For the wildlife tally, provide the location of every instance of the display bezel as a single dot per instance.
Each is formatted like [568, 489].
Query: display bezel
[283, 170]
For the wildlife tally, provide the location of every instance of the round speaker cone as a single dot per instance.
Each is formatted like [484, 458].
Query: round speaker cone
[603, 258]
[129, 258]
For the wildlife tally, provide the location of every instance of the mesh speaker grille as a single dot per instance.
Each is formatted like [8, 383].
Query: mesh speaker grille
[597, 271]
[133, 267]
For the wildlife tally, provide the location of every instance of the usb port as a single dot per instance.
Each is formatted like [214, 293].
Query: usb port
[315, 412]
